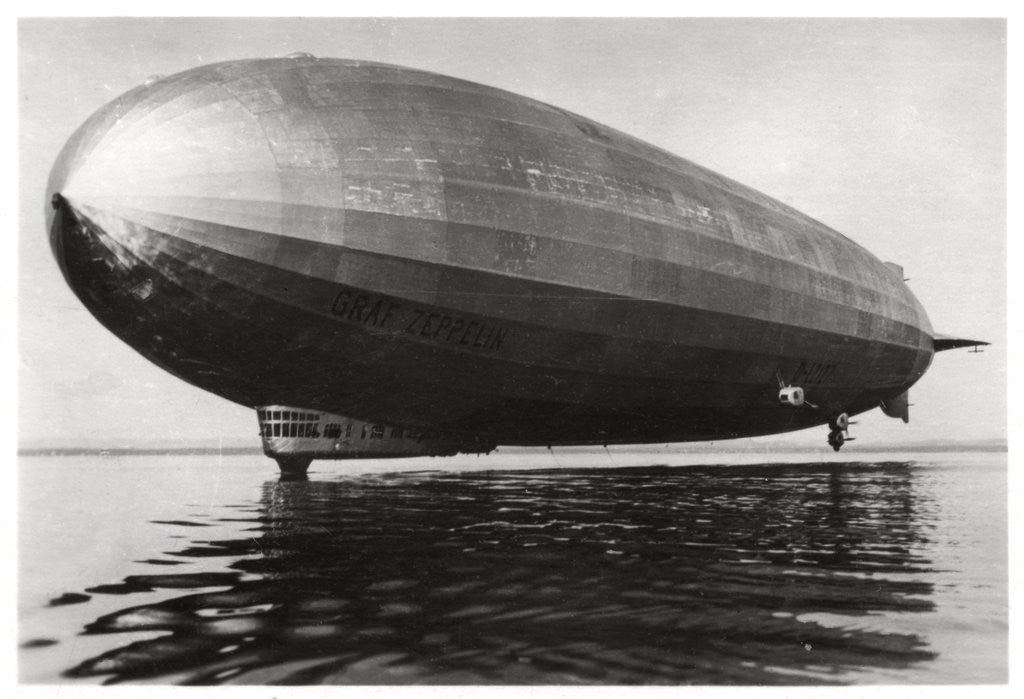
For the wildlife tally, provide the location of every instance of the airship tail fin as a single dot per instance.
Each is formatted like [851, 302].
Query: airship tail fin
[947, 342]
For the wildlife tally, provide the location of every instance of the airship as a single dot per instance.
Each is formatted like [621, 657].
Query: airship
[385, 262]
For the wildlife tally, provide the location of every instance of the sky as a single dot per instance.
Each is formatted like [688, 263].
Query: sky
[891, 131]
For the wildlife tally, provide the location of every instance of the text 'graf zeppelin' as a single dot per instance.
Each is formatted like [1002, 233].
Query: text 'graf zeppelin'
[445, 328]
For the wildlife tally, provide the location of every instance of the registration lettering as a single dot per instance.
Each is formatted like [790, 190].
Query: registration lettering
[454, 330]
[363, 309]
[442, 328]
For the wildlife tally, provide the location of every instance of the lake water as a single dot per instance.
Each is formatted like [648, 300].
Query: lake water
[577, 567]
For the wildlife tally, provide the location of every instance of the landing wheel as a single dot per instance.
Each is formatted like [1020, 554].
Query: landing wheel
[836, 439]
[294, 465]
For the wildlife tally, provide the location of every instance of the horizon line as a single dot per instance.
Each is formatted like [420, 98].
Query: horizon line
[987, 444]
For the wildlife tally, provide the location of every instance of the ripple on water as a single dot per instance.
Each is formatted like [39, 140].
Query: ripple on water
[747, 575]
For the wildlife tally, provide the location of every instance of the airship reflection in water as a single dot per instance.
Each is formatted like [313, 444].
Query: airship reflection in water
[388, 262]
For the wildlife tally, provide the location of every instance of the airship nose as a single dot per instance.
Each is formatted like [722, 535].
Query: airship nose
[93, 267]
[159, 170]
[99, 253]
[59, 220]
[145, 202]
[94, 264]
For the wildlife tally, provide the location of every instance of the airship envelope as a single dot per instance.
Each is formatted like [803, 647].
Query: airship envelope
[351, 247]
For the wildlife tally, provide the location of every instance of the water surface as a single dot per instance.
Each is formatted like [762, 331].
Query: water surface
[201, 570]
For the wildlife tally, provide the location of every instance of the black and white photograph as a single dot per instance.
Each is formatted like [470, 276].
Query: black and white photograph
[511, 351]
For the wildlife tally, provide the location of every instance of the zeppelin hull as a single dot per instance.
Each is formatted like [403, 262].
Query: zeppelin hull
[387, 358]
[402, 247]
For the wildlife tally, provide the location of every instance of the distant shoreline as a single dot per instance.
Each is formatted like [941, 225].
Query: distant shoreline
[644, 448]
[140, 451]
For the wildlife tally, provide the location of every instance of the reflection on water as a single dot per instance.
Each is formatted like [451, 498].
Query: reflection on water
[775, 574]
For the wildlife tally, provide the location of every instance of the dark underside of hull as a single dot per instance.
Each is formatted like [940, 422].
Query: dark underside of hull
[292, 342]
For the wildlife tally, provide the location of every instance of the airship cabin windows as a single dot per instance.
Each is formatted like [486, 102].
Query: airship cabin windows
[292, 423]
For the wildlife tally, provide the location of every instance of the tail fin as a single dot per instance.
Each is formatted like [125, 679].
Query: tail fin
[946, 342]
